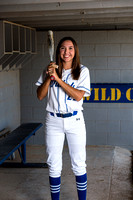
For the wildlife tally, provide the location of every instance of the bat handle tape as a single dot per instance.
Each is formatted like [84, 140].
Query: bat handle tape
[52, 78]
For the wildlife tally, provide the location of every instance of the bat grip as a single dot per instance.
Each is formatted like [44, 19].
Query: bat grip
[52, 78]
[56, 67]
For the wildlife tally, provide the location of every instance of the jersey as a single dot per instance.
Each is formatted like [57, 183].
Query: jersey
[58, 100]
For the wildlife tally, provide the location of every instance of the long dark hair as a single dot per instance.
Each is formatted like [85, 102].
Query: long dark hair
[76, 60]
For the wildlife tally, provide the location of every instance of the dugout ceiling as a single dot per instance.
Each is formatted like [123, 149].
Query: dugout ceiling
[19, 20]
[69, 14]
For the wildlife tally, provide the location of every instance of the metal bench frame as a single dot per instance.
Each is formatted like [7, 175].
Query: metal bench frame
[16, 140]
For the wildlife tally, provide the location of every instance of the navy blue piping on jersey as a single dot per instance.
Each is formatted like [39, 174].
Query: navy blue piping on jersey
[66, 93]
[66, 103]
[58, 99]
[39, 83]
[84, 88]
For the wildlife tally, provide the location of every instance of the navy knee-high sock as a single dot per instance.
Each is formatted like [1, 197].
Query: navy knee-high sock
[55, 187]
[81, 182]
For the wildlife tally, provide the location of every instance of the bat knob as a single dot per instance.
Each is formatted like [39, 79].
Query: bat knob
[52, 78]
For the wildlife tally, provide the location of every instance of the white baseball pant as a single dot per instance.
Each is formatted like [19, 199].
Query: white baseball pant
[74, 129]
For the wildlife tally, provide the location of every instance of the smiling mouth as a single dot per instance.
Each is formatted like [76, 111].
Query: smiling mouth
[66, 56]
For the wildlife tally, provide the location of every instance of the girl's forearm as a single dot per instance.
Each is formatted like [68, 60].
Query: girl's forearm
[43, 89]
[73, 92]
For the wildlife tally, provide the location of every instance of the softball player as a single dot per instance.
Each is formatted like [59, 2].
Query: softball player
[64, 115]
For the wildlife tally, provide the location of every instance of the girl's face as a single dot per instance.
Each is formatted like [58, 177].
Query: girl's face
[67, 51]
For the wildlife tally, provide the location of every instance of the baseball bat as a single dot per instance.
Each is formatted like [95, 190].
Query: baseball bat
[51, 49]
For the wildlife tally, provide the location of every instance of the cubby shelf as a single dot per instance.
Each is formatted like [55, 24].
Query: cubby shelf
[18, 43]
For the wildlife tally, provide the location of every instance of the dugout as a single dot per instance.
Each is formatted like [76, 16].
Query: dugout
[104, 35]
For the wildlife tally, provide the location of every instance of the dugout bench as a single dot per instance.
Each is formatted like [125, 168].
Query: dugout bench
[16, 140]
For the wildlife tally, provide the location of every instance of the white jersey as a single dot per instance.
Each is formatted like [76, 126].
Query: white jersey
[58, 100]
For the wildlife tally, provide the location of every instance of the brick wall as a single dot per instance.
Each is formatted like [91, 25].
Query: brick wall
[109, 56]
[9, 100]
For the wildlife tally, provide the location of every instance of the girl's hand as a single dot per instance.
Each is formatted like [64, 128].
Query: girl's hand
[52, 71]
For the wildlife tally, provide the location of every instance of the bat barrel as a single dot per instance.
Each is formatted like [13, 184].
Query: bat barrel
[51, 45]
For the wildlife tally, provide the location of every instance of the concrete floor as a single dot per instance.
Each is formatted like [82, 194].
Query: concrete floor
[108, 170]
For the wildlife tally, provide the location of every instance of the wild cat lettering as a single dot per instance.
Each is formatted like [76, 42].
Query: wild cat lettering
[111, 93]
[52, 83]
[57, 85]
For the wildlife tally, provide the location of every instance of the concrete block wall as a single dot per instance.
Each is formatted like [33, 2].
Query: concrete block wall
[9, 100]
[109, 57]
